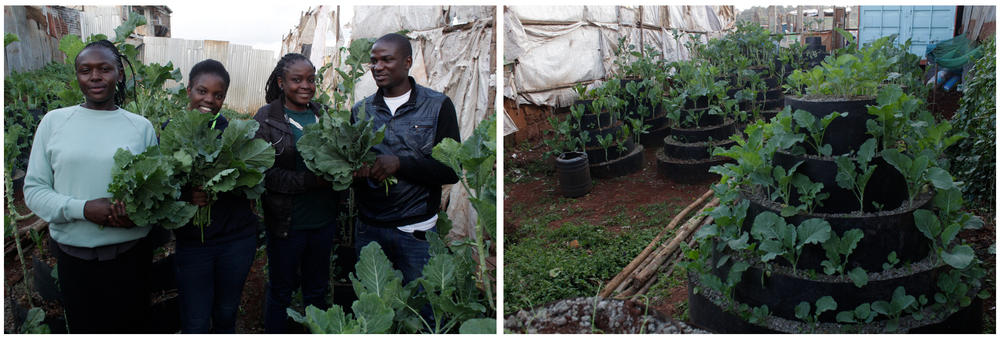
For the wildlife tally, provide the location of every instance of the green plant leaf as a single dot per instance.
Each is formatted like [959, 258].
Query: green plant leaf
[959, 257]
[374, 273]
[125, 29]
[479, 326]
[940, 178]
[927, 222]
[858, 276]
[813, 231]
[802, 310]
[9, 38]
[373, 315]
[825, 303]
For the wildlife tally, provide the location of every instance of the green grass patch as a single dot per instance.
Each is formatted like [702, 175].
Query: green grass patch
[540, 266]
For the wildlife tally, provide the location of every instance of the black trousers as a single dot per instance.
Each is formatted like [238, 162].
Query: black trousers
[107, 296]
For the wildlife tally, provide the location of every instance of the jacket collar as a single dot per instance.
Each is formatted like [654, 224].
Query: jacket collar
[276, 114]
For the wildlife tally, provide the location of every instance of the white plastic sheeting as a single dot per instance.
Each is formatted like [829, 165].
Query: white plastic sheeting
[456, 61]
[553, 48]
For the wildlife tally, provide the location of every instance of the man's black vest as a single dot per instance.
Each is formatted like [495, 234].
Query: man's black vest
[408, 133]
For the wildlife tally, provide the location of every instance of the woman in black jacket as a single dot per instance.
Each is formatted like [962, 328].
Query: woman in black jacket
[212, 264]
[300, 209]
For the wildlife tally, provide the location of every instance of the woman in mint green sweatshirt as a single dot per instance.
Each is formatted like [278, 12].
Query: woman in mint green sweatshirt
[103, 259]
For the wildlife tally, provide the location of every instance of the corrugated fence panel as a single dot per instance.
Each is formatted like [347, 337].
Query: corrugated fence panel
[100, 20]
[248, 68]
[34, 49]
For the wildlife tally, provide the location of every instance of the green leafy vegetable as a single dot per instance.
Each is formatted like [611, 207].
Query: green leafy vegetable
[145, 183]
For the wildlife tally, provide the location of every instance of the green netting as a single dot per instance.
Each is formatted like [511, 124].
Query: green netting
[954, 53]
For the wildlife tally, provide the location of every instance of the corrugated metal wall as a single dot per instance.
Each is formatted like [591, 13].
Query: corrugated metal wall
[100, 20]
[35, 47]
[248, 68]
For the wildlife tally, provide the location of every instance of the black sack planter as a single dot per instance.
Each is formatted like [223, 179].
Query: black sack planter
[597, 155]
[589, 121]
[628, 164]
[654, 138]
[884, 232]
[887, 186]
[692, 150]
[658, 128]
[714, 129]
[844, 133]
[686, 155]
[708, 309]
[613, 131]
[574, 174]
[687, 171]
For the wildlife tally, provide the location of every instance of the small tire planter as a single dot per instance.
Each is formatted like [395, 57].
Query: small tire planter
[573, 170]
[627, 164]
[851, 130]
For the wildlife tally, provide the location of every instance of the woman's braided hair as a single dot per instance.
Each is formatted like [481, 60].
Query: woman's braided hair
[120, 85]
[271, 89]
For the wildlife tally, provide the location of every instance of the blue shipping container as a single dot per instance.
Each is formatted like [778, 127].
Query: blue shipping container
[923, 25]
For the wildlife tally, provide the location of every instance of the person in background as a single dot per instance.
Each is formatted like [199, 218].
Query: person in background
[103, 259]
[416, 119]
[300, 209]
[212, 264]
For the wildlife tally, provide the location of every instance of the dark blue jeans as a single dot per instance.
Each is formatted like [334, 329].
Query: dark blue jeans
[210, 283]
[406, 252]
[303, 258]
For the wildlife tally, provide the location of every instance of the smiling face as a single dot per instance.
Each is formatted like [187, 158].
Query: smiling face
[390, 68]
[207, 92]
[298, 84]
[97, 72]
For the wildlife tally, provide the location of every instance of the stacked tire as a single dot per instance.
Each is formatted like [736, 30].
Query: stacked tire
[686, 155]
[656, 120]
[613, 162]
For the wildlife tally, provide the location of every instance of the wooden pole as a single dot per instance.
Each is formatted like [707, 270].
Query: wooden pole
[617, 280]
[799, 20]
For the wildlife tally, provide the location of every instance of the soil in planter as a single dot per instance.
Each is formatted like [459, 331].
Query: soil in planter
[595, 315]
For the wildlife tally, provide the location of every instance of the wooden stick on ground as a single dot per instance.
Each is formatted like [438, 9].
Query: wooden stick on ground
[631, 281]
[671, 263]
[641, 276]
[674, 244]
[617, 280]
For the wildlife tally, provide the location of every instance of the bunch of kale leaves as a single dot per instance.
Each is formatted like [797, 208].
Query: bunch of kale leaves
[191, 154]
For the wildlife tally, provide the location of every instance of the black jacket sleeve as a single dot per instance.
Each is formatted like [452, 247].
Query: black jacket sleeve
[427, 170]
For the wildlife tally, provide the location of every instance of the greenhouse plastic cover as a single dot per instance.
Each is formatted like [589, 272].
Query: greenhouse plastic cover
[456, 63]
[552, 48]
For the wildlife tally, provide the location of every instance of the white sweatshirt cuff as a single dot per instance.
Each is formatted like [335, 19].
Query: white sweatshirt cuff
[74, 209]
